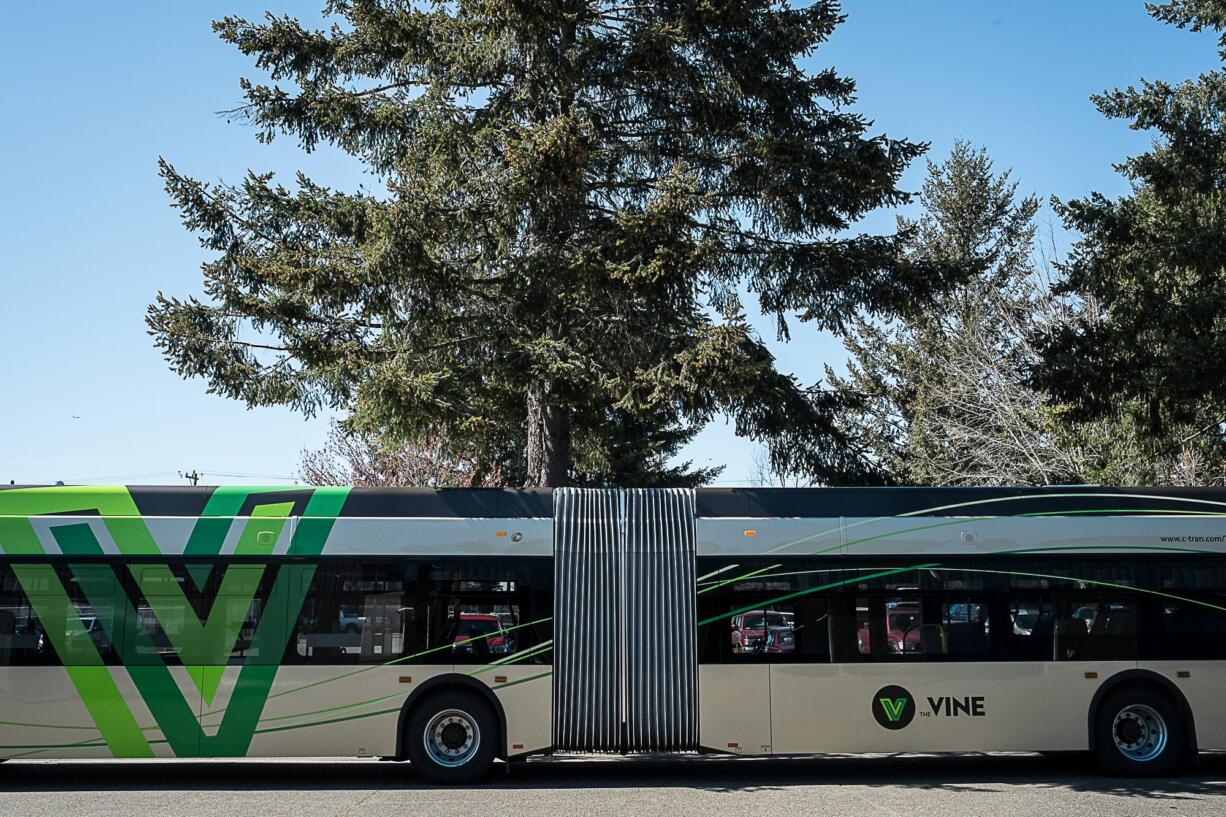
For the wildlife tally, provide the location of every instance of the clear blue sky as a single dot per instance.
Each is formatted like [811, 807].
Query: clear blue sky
[93, 93]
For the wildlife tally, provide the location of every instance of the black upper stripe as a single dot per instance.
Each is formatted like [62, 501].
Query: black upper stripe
[503, 503]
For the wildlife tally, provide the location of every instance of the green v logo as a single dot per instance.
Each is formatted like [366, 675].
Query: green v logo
[176, 716]
[892, 707]
[203, 646]
[207, 645]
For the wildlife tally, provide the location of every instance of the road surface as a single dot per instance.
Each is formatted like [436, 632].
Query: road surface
[908, 786]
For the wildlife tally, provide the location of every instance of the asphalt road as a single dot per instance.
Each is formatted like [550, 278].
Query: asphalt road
[912, 786]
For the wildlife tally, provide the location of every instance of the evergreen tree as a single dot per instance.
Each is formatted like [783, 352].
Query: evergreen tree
[944, 396]
[1155, 260]
[575, 192]
[939, 391]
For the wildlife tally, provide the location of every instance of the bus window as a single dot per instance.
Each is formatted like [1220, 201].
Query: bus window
[24, 641]
[864, 628]
[967, 630]
[812, 633]
[482, 631]
[917, 626]
[770, 631]
[904, 629]
[1029, 634]
[1192, 629]
[479, 612]
[1094, 629]
[889, 627]
[356, 614]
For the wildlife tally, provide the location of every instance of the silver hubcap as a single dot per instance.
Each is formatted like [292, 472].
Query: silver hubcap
[452, 737]
[1139, 732]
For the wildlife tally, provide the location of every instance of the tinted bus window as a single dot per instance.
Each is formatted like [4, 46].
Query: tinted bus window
[69, 635]
[481, 611]
[966, 629]
[1192, 629]
[1030, 631]
[1096, 629]
[356, 614]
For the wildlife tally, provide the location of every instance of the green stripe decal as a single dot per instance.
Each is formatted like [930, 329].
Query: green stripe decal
[325, 722]
[809, 590]
[17, 536]
[106, 706]
[76, 540]
[402, 660]
[539, 649]
[208, 645]
[225, 503]
[91, 678]
[203, 646]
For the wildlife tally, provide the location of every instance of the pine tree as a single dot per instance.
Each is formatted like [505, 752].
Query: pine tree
[575, 193]
[1155, 260]
[942, 398]
[945, 396]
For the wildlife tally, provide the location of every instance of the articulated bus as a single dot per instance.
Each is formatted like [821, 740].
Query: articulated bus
[451, 628]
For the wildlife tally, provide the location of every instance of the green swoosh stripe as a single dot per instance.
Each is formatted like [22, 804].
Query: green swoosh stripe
[947, 523]
[922, 511]
[810, 590]
[394, 661]
[807, 591]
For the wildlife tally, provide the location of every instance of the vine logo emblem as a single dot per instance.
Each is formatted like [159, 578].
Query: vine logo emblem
[893, 707]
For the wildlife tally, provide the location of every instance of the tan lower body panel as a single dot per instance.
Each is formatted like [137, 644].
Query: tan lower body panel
[310, 711]
[997, 706]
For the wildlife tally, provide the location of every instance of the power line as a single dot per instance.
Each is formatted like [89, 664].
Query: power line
[194, 476]
[116, 477]
[244, 475]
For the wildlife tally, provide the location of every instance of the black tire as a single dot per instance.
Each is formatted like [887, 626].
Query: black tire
[1126, 742]
[446, 719]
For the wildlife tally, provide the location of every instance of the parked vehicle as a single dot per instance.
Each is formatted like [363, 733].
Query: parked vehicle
[763, 631]
[902, 624]
[478, 628]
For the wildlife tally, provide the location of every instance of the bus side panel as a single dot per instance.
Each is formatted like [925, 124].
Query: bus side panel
[42, 716]
[734, 708]
[978, 535]
[482, 538]
[328, 711]
[1205, 690]
[989, 706]
[527, 699]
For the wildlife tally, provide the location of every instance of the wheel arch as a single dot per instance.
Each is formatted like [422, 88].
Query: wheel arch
[1149, 678]
[442, 683]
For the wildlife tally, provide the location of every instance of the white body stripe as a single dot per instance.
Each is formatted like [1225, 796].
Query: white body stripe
[961, 536]
[350, 536]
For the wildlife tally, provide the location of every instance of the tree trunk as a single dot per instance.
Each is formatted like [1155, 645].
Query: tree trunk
[548, 438]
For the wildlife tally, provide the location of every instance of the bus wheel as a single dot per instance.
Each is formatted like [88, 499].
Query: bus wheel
[1139, 733]
[452, 737]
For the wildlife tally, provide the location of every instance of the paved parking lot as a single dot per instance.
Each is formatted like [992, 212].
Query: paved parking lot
[1023, 785]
